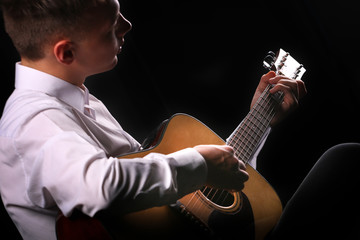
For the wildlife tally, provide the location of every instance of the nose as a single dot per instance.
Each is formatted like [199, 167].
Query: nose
[124, 26]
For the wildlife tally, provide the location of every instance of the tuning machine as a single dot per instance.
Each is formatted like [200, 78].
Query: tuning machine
[269, 61]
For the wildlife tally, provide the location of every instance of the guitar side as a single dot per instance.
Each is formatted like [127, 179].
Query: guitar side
[183, 131]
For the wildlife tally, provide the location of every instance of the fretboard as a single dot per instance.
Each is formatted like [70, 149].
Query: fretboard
[247, 136]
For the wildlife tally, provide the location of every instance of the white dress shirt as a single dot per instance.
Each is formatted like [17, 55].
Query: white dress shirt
[58, 148]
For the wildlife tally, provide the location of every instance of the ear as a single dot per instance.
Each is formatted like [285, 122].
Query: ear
[64, 51]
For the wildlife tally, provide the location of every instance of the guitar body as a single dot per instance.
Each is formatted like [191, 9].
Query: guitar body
[250, 214]
[258, 202]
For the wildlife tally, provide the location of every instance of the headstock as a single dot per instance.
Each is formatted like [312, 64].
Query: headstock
[283, 64]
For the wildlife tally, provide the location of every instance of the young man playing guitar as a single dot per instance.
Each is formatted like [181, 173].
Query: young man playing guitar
[59, 144]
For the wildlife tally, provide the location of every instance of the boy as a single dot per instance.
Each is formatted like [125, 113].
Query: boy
[58, 143]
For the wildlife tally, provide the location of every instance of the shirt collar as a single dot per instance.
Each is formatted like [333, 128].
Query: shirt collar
[27, 78]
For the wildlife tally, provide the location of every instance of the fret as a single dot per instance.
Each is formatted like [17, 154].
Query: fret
[260, 113]
[246, 142]
[243, 141]
[243, 153]
[241, 147]
[249, 127]
[257, 121]
[246, 137]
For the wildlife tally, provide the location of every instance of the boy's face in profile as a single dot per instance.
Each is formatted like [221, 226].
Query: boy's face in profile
[97, 52]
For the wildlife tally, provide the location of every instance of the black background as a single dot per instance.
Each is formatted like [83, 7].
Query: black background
[204, 58]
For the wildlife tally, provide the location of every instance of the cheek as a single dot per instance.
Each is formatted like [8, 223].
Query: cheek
[107, 49]
[104, 58]
[100, 56]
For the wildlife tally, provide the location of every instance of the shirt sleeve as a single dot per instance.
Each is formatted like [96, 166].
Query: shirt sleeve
[75, 174]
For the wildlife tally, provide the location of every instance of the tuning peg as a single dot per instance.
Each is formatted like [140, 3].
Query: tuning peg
[269, 61]
[271, 53]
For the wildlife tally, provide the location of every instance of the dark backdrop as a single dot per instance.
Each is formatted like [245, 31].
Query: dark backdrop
[204, 58]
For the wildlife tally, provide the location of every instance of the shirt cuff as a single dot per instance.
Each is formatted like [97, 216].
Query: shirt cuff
[191, 170]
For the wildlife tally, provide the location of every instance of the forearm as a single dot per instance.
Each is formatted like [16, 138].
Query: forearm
[90, 181]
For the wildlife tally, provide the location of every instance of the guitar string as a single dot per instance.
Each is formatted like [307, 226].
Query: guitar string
[235, 143]
[235, 140]
[244, 130]
[245, 152]
[196, 205]
[270, 112]
[263, 118]
[195, 208]
[248, 134]
[240, 136]
[253, 119]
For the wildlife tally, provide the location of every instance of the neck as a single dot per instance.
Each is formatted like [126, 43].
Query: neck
[53, 68]
[247, 136]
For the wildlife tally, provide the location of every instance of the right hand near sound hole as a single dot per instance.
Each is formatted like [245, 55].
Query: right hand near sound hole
[225, 171]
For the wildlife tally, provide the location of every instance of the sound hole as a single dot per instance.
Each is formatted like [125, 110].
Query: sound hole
[219, 196]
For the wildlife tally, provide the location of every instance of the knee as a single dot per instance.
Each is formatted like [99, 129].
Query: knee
[345, 153]
[345, 148]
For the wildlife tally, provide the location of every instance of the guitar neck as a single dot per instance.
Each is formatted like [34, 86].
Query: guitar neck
[247, 136]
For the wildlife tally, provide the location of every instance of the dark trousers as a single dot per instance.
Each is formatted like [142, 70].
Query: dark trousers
[326, 204]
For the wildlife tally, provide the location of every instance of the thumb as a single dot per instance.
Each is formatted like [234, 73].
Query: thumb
[265, 78]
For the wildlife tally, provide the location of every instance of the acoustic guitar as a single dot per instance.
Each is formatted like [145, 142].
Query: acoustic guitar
[208, 212]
